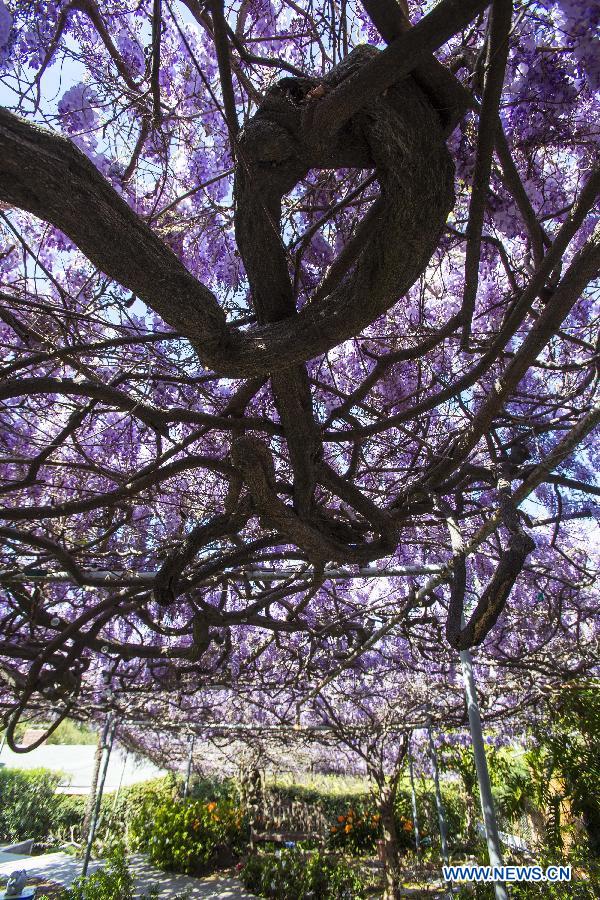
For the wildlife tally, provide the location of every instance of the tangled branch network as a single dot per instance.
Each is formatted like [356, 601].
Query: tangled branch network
[290, 296]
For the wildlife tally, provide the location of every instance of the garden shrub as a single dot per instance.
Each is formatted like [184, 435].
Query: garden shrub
[584, 884]
[191, 836]
[353, 817]
[296, 875]
[113, 881]
[332, 802]
[210, 789]
[128, 816]
[27, 804]
[68, 732]
[30, 808]
[68, 811]
[357, 830]
[573, 890]
[454, 808]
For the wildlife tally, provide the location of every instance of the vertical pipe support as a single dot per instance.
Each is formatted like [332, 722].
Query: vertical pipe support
[483, 775]
[413, 795]
[188, 771]
[108, 734]
[438, 799]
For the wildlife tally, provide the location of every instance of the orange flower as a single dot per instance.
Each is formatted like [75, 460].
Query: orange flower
[341, 818]
[348, 828]
[407, 826]
[334, 828]
[211, 806]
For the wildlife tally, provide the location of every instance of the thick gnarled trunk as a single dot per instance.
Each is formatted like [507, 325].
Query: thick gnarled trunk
[390, 849]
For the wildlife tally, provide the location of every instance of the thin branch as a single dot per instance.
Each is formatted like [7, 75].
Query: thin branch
[495, 67]
[327, 115]
[224, 63]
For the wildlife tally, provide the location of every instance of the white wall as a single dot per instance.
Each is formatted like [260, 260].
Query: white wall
[77, 761]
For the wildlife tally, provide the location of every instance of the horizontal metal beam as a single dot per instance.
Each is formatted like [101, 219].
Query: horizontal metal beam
[96, 578]
[343, 574]
[229, 727]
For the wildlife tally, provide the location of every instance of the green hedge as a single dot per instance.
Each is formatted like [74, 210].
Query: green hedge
[578, 889]
[354, 821]
[191, 836]
[136, 802]
[29, 806]
[296, 875]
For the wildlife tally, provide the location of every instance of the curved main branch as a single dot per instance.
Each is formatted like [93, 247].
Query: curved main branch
[399, 134]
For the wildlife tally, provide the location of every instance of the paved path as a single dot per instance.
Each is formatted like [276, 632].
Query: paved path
[64, 868]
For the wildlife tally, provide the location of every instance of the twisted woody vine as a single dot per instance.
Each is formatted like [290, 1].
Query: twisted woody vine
[298, 388]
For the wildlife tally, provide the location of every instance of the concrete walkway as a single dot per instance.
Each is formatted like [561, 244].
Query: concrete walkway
[64, 868]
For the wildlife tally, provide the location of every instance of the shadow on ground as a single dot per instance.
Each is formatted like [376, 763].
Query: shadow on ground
[63, 868]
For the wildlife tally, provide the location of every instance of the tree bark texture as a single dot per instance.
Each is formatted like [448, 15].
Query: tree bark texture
[398, 133]
[391, 853]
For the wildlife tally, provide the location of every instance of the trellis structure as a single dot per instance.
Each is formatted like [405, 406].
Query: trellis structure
[284, 295]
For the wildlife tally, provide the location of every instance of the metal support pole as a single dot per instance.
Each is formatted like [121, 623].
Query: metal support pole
[483, 775]
[108, 734]
[413, 794]
[120, 784]
[188, 773]
[440, 807]
[118, 790]
[438, 799]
